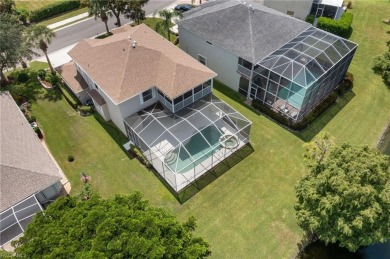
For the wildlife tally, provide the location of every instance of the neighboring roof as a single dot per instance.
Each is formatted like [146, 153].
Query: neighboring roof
[122, 71]
[72, 77]
[25, 165]
[96, 97]
[248, 32]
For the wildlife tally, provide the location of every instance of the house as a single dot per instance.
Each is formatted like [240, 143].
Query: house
[302, 8]
[263, 54]
[29, 177]
[161, 98]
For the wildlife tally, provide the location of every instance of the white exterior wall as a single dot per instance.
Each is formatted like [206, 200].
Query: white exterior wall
[219, 60]
[301, 8]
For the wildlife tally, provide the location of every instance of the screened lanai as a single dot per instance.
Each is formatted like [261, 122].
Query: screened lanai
[183, 146]
[297, 76]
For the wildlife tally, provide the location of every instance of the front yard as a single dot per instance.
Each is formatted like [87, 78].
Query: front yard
[247, 212]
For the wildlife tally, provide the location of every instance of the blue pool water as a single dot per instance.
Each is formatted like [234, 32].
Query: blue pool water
[179, 160]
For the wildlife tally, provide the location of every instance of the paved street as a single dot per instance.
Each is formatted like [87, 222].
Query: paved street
[91, 27]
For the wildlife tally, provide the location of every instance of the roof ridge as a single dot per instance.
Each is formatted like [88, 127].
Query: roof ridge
[251, 33]
[123, 73]
[28, 170]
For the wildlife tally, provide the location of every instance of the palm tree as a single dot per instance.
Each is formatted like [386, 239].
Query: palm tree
[40, 36]
[166, 23]
[99, 8]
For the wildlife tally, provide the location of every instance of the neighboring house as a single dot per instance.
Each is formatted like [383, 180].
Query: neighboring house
[160, 97]
[29, 178]
[266, 55]
[302, 8]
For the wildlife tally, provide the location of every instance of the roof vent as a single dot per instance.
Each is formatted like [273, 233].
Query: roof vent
[129, 37]
[134, 44]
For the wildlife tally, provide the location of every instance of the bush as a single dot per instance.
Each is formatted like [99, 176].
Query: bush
[23, 77]
[54, 80]
[41, 73]
[300, 125]
[310, 19]
[138, 154]
[31, 119]
[39, 132]
[85, 110]
[48, 78]
[340, 27]
[24, 64]
[105, 35]
[70, 158]
[55, 8]
[69, 96]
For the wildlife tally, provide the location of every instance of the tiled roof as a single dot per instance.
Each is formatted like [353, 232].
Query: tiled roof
[25, 165]
[123, 71]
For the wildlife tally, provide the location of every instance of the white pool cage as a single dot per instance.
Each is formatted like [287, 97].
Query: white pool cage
[183, 146]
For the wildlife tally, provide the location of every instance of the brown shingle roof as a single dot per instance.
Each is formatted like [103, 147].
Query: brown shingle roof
[123, 71]
[25, 166]
[96, 96]
[72, 78]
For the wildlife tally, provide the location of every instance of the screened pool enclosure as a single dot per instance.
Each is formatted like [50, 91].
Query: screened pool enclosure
[183, 146]
[299, 75]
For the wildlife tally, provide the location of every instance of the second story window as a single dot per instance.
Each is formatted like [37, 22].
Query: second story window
[147, 95]
[202, 60]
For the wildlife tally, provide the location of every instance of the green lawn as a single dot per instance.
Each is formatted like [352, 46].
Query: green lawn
[152, 22]
[247, 212]
[32, 4]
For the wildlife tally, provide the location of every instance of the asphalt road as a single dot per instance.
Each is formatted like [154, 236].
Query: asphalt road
[91, 27]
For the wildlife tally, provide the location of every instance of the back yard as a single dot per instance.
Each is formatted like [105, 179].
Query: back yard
[247, 212]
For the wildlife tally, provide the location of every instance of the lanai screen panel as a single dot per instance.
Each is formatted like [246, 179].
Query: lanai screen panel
[308, 56]
[182, 146]
[14, 221]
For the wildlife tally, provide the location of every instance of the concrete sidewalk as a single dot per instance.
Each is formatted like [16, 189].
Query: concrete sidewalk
[67, 21]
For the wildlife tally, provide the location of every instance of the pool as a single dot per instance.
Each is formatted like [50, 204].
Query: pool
[179, 161]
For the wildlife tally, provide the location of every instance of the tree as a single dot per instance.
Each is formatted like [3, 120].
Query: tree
[166, 23]
[134, 10]
[7, 6]
[346, 198]
[100, 8]
[382, 65]
[123, 227]
[40, 36]
[117, 7]
[13, 46]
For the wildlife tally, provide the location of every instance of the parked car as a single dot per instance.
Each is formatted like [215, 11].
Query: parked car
[183, 7]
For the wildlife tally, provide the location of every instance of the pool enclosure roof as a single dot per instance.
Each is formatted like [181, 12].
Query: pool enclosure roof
[304, 59]
[175, 130]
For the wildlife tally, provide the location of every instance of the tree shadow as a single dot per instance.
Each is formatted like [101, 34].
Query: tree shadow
[114, 132]
[52, 95]
[318, 250]
[208, 177]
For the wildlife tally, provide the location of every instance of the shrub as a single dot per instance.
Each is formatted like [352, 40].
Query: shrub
[340, 27]
[48, 78]
[55, 8]
[23, 77]
[31, 119]
[70, 158]
[24, 64]
[38, 132]
[69, 96]
[41, 73]
[309, 118]
[85, 110]
[137, 153]
[54, 80]
[310, 19]
[105, 35]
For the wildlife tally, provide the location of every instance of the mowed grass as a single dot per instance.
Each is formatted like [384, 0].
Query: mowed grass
[247, 212]
[33, 4]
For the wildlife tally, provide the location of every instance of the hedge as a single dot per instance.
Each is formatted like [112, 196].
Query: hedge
[55, 8]
[69, 97]
[310, 19]
[340, 27]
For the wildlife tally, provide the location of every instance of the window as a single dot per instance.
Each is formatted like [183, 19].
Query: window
[291, 13]
[245, 63]
[147, 95]
[202, 60]
[198, 89]
[208, 42]
[188, 94]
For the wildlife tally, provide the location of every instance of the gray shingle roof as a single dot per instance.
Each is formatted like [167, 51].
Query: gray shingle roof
[25, 166]
[250, 33]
